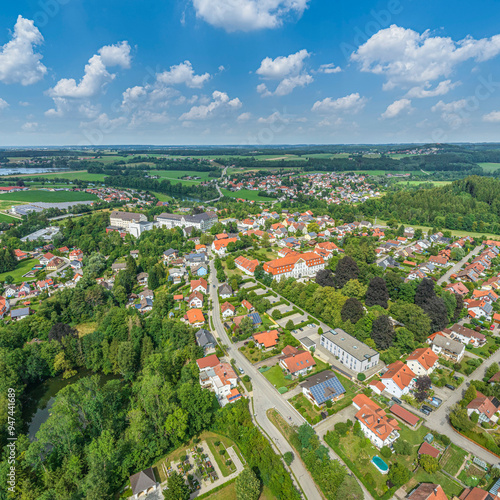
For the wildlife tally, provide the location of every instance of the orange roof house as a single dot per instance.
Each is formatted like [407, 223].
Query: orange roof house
[300, 361]
[286, 264]
[398, 378]
[199, 285]
[427, 449]
[428, 491]
[422, 361]
[194, 316]
[266, 339]
[208, 362]
[247, 305]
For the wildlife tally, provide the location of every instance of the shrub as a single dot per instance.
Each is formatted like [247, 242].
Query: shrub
[222, 451]
[288, 457]
[386, 452]
[217, 443]
[361, 377]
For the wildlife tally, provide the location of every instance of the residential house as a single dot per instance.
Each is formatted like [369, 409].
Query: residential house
[194, 317]
[46, 258]
[422, 361]
[475, 493]
[465, 335]
[203, 221]
[227, 310]
[18, 314]
[323, 387]
[195, 300]
[118, 266]
[296, 362]
[146, 294]
[479, 308]
[4, 306]
[76, 254]
[200, 269]
[55, 264]
[199, 285]
[447, 347]
[225, 291]
[266, 340]
[220, 246]
[145, 305]
[375, 424]
[485, 407]
[205, 340]
[142, 278]
[427, 491]
[195, 259]
[170, 254]
[247, 305]
[76, 264]
[457, 288]
[398, 379]
[20, 255]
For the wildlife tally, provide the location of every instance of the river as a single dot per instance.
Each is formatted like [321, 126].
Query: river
[39, 400]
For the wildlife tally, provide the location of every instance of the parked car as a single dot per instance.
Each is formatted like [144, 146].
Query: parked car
[436, 402]
[396, 400]
[246, 342]
[241, 370]
[427, 407]
[425, 412]
[449, 386]
[492, 327]
[301, 329]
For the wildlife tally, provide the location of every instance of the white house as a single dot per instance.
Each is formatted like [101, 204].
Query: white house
[376, 426]
[398, 379]
[422, 361]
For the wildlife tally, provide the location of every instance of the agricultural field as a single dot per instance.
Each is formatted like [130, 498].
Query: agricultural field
[47, 196]
[489, 167]
[245, 194]
[423, 181]
[7, 218]
[177, 174]
[163, 197]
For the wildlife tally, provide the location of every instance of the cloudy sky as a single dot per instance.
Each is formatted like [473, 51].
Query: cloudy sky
[93, 72]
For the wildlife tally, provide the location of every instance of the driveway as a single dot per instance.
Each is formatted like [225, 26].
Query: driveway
[296, 318]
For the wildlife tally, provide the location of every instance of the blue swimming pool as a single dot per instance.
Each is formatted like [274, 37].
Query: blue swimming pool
[382, 467]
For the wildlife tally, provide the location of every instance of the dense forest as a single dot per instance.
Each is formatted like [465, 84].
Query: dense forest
[470, 204]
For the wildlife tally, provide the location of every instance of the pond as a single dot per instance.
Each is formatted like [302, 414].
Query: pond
[31, 171]
[39, 400]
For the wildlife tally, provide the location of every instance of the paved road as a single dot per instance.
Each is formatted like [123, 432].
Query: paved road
[265, 397]
[458, 265]
[438, 419]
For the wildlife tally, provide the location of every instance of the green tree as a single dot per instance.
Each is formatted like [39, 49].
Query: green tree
[289, 325]
[346, 270]
[352, 310]
[402, 447]
[247, 485]
[177, 489]
[377, 293]
[399, 474]
[469, 395]
[382, 332]
[288, 458]
[153, 278]
[492, 370]
[428, 463]
[353, 288]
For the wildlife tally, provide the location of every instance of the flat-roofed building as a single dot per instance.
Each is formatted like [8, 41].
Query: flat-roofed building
[124, 219]
[350, 352]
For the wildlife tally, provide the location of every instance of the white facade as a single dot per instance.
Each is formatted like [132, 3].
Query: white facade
[124, 219]
[137, 228]
[352, 353]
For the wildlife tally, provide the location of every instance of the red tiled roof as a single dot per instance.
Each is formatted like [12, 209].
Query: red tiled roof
[399, 373]
[209, 361]
[427, 449]
[404, 414]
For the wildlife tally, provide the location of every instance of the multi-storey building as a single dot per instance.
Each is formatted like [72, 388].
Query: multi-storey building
[203, 221]
[297, 266]
[122, 220]
[349, 351]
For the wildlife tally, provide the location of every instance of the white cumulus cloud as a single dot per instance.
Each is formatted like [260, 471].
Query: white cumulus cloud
[397, 107]
[424, 90]
[352, 102]
[3, 104]
[96, 74]
[220, 102]
[183, 73]
[244, 117]
[288, 69]
[275, 117]
[329, 69]
[492, 117]
[248, 15]
[19, 63]
[405, 56]
[30, 126]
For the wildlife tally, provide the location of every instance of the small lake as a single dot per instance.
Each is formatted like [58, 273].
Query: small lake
[38, 401]
[29, 171]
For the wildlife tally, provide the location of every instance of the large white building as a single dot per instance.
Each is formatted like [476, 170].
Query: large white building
[302, 265]
[137, 228]
[203, 221]
[123, 220]
[352, 353]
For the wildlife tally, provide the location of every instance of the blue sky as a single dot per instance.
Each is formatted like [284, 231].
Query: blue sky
[76, 72]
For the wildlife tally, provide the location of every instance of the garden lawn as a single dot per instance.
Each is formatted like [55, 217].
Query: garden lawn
[7, 218]
[221, 460]
[35, 195]
[483, 351]
[22, 268]
[489, 167]
[453, 459]
[450, 487]
[276, 376]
